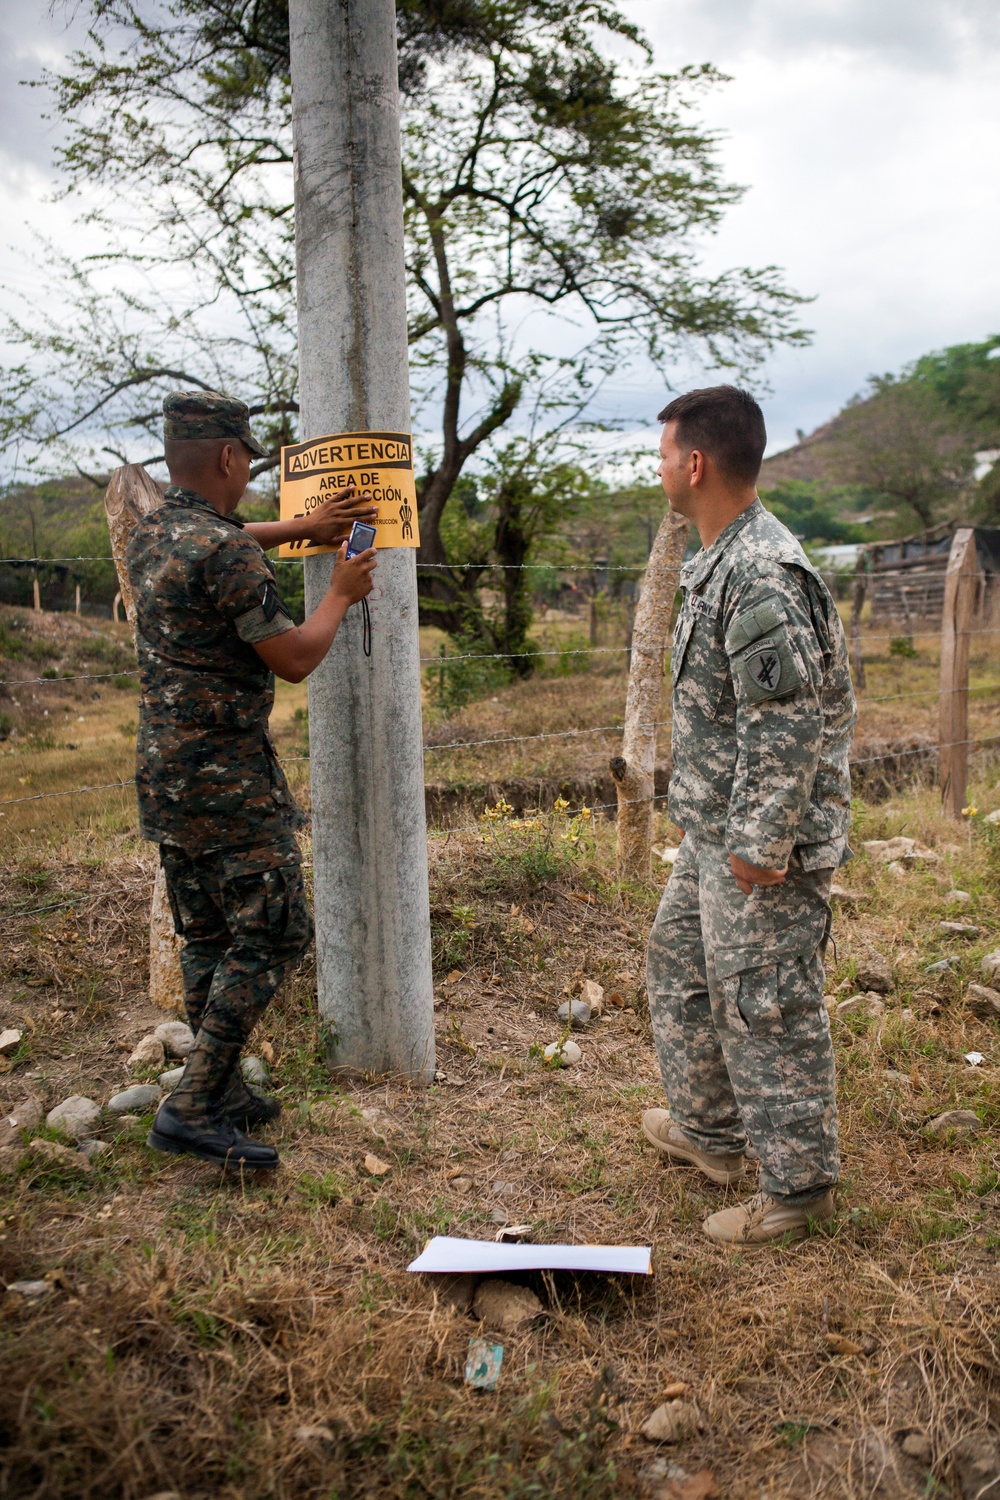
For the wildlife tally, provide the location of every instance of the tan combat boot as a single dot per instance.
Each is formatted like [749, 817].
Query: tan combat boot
[767, 1221]
[660, 1131]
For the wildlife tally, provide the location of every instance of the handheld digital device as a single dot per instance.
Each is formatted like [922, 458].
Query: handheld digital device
[361, 538]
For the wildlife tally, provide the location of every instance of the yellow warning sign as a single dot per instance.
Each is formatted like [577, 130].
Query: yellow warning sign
[379, 462]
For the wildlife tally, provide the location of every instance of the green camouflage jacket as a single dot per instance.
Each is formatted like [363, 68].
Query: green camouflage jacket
[763, 707]
[206, 772]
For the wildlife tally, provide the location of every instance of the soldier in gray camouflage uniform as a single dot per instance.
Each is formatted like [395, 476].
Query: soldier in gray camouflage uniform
[210, 632]
[763, 712]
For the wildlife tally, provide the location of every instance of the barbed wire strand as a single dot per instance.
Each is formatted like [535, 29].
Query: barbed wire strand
[425, 661]
[459, 745]
[54, 681]
[988, 687]
[445, 661]
[286, 760]
[555, 734]
[34, 562]
[484, 825]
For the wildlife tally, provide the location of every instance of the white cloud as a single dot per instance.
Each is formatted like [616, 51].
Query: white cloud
[866, 131]
[868, 134]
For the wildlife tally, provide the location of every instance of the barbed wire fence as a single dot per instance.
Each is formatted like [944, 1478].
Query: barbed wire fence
[903, 755]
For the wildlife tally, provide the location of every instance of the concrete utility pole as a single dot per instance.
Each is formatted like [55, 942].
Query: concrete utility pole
[369, 833]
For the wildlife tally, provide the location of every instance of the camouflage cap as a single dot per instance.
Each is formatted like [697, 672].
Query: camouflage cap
[208, 414]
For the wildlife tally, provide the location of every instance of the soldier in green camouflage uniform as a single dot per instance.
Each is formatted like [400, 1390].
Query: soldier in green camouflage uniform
[211, 792]
[763, 712]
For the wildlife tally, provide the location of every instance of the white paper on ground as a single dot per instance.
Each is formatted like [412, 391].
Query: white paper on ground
[443, 1253]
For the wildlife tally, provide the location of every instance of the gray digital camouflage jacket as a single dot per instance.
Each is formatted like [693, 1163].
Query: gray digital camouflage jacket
[763, 707]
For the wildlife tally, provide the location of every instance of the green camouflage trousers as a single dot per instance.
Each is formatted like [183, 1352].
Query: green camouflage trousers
[245, 921]
[736, 1000]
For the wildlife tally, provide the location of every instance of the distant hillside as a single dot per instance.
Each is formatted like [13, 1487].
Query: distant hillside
[811, 461]
[60, 518]
[64, 519]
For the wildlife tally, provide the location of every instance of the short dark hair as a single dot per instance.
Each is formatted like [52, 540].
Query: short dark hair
[724, 422]
[189, 455]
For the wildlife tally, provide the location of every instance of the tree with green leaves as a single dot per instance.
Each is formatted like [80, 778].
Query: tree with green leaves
[907, 448]
[552, 181]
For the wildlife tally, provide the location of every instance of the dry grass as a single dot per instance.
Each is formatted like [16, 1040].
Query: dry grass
[197, 1327]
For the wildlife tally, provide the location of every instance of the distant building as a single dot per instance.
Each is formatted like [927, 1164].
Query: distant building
[905, 578]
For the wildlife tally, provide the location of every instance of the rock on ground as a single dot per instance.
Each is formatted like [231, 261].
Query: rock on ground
[176, 1036]
[957, 898]
[140, 1096]
[991, 965]
[59, 1156]
[455, 1291]
[171, 1078]
[867, 1463]
[27, 1115]
[672, 1422]
[504, 1306]
[961, 1121]
[563, 1054]
[90, 1149]
[255, 1070]
[874, 973]
[592, 994]
[576, 1012]
[147, 1053]
[983, 1002]
[900, 850]
[10, 1038]
[869, 1003]
[960, 929]
[976, 1466]
[75, 1116]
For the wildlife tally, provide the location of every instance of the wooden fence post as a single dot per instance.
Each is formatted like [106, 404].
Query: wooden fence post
[960, 586]
[857, 605]
[130, 495]
[634, 769]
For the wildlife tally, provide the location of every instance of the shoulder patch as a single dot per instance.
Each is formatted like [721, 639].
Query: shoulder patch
[754, 623]
[767, 669]
[271, 603]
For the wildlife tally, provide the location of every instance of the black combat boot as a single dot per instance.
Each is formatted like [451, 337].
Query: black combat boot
[210, 1137]
[192, 1121]
[244, 1107]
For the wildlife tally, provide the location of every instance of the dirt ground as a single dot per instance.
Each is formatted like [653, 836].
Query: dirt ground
[262, 1337]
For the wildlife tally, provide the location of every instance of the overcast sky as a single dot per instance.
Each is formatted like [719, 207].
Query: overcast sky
[866, 131]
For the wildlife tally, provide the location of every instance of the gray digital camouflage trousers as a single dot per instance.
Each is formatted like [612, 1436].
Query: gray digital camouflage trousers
[736, 1000]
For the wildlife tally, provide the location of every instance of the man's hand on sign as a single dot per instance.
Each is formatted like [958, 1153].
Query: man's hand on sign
[331, 522]
[747, 875]
[352, 577]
